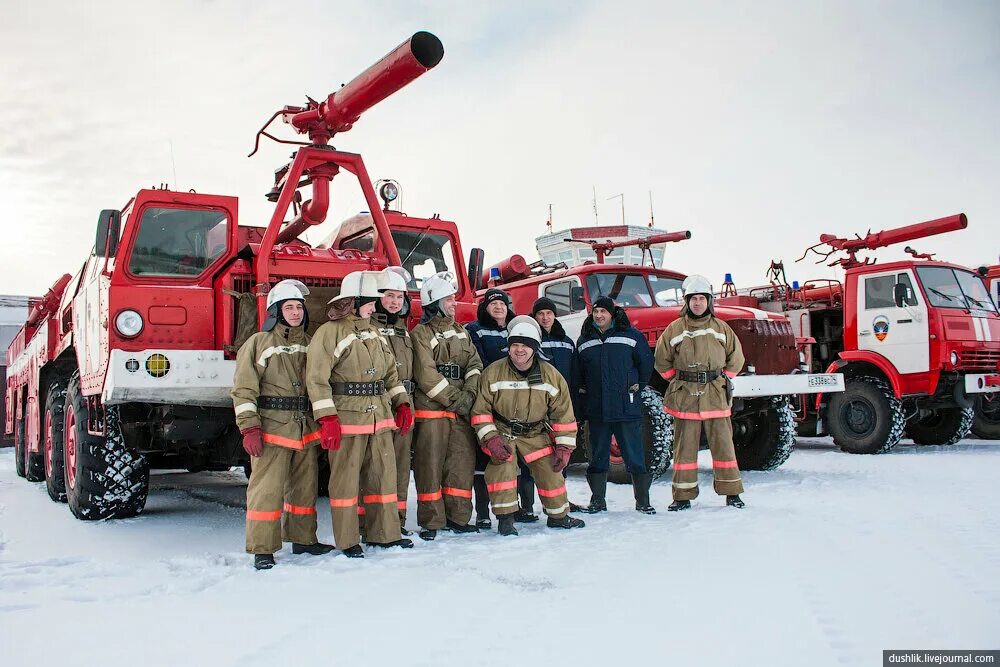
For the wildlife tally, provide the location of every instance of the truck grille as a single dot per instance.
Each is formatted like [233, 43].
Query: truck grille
[979, 360]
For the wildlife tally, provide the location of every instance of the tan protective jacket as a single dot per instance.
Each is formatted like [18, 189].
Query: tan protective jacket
[542, 396]
[698, 345]
[352, 350]
[402, 347]
[442, 341]
[273, 363]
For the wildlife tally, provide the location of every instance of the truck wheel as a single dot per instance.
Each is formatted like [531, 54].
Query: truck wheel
[865, 418]
[105, 479]
[764, 440]
[657, 440]
[942, 427]
[986, 423]
[34, 470]
[19, 464]
[55, 476]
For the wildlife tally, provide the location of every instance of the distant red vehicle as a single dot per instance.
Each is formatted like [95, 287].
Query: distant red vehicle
[917, 341]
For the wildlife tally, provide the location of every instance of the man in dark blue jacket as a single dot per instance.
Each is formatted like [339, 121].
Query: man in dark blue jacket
[489, 335]
[615, 363]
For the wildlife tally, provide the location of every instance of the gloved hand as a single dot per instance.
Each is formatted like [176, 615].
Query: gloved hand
[253, 443]
[561, 458]
[330, 433]
[498, 449]
[404, 418]
[634, 388]
[463, 404]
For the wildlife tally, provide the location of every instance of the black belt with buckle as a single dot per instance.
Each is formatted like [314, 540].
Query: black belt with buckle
[410, 386]
[516, 427]
[299, 403]
[359, 388]
[451, 371]
[701, 377]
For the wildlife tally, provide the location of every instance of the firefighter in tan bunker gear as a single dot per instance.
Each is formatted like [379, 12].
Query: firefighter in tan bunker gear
[354, 388]
[390, 316]
[279, 433]
[698, 354]
[524, 409]
[447, 370]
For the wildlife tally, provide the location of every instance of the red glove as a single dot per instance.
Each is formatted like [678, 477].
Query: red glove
[560, 459]
[497, 447]
[330, 433]
[252, 442]
[404, 418]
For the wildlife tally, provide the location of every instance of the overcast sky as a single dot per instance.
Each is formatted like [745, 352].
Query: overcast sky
[756, 125]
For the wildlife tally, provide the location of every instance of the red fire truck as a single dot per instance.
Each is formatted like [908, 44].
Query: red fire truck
[986, 423]
[916, 340]
[766, 394]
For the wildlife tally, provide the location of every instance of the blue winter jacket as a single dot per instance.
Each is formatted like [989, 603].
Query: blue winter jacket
[609, 363]
[489, 337]
[560, 351]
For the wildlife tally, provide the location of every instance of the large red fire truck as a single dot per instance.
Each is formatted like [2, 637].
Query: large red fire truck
[917, 341]
[767, 392]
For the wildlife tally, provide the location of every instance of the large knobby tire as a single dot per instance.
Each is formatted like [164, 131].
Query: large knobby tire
[19, 465]
[34, 470]
[52, 439]
[657, 439]
[942, 427]
[865, 418]
[764, 440]
[986, 422]
[105, 479]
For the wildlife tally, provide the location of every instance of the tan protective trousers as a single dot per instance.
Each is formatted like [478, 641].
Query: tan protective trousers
[366, 462]
[402, 444]
[726, 472]
[501, 478]
[444, 459]
[281, 498]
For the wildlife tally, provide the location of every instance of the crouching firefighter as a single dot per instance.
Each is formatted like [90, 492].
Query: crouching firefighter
[698, 354]
[279, 433]
[447, 369]
[524, 410]
[355, 392]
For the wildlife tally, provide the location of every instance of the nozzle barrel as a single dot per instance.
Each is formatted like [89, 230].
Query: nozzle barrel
[917, 231]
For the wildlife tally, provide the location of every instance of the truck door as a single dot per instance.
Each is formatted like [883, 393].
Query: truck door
[900, 334]
[571, 309]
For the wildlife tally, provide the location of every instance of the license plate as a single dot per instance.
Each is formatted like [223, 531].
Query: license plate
[822, 380]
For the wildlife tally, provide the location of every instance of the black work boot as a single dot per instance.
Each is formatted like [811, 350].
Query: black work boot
[459, 528]
[404, 532]
[679, 505]
[598, 482]
[640, 487]
[317, 549]
[427, 534]
[525, 516]
[482, 496]
[506, 525]
[403, 543]
[565, 522]
[483, 522]
[263, 561]
[354, 552]
[526, 498]
[735, 501]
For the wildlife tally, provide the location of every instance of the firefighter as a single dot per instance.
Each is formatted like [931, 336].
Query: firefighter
[358, 400]
[279, 433]
[524, 411]
[489, 335]
[390, 317]
[699, 354]
[447, 369]
[614, 365]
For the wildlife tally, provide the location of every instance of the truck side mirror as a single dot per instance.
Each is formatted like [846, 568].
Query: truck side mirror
[109, 224]
[576, 300]
[902, 295]
[476, 258]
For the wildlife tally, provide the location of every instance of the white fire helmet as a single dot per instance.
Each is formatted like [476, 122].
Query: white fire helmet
[361, 283]
[524, 329]
[395, 278]
[437, 287]
[287, 289]
[697, 285]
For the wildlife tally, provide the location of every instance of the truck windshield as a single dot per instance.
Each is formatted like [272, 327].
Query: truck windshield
[178, 242]
[951, 288]
[635, 290]
[423, 253]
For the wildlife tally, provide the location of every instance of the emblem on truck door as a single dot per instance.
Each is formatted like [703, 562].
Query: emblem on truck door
[881, 327]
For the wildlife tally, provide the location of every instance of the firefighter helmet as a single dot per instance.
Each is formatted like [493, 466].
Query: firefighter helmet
[523, 329]
[395, 278]
[697, 285]
[437, 287]
[361, 283]
[287, 289]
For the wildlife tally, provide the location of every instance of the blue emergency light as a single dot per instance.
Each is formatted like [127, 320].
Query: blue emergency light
[729, 278]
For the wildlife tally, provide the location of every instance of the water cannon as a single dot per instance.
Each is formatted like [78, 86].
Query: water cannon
[602, 248]
[882, 239]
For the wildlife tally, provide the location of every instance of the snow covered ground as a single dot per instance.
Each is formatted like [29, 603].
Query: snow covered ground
[835, 558]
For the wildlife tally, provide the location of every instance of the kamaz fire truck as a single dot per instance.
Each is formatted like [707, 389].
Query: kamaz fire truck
[763, 416]
[917, 341]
